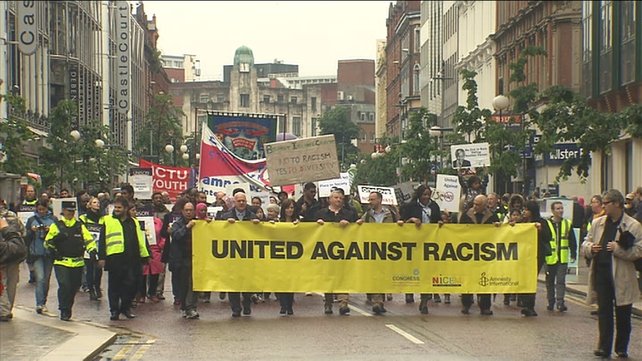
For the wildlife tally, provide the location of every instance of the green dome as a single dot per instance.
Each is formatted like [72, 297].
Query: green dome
[243, 55]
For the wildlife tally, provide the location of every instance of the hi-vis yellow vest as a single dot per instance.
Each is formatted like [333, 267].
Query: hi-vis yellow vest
[565, 228]
[114, 237]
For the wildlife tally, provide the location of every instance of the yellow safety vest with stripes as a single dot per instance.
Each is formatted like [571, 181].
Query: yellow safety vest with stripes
[564, 250]
[115, 239]
[80, 234]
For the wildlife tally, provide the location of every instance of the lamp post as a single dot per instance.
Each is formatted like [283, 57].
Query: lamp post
[501, 103]
[438, 132]
[169, 149]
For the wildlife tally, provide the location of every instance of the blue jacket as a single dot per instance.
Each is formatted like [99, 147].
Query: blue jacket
[36, 238]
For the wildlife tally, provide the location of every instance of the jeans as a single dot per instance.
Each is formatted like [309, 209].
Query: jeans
[42, 268]
[94, 275]
[9, 280]
[556, 282]
[187, 296]
[69, 280]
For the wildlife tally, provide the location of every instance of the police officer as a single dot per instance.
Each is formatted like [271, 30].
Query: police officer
[121, 251]
[68, 238]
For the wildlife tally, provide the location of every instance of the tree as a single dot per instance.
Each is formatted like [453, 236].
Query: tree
[57, 155]
[162, 126]
[14, 133]
[419, 147]
[470, 119]
[337, 122]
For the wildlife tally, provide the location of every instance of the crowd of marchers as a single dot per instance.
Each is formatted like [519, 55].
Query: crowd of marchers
[101, 232]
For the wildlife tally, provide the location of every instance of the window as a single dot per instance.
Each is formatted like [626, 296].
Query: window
[296, 126]
[314, 127]
[204, 98]
[280, 98]
[606, 45]
[244, 101]
[417, 40]
[293, 100]
[627, 41]
[587, 30]
[371, 117]
[266, 99]
[313, 103]
[244, 68]
[362, 116]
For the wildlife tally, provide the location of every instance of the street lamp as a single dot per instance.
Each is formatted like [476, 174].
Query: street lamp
[183, 148]
[501, 103]
[170, 150]
[75, 135]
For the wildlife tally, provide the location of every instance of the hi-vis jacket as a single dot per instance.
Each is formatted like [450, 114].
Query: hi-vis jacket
[115, 239]
[69, 238]
[562, 246]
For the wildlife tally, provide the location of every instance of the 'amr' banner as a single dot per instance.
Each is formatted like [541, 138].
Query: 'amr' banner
[384, 258]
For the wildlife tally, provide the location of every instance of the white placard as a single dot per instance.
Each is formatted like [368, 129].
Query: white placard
[212, 212]
[141, 181]
[447, 192]
[146, 220]
[388, 194]
[470, 155]
[326, 186]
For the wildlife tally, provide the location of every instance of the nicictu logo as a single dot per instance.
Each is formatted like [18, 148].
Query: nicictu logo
[447, 281]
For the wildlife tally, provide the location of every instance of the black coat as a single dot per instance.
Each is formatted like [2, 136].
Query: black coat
[249, 215]
[413, 209]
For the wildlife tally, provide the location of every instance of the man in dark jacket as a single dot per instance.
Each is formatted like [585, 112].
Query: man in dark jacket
[240, 213]
[12, 251]
[338, 213]
[478, 214]
[421, 209]
[181, 260]
[308, 204]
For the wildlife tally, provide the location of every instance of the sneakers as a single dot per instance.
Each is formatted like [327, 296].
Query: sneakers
[328, 309]
[377, 309]
[93, 296]
[551, 306]
[236, 313]
[221, 296]
[447, 299]
[437, 298]
[191, 314]
[486, 312]
[344, 310]
[247, 311]
[410, 298]
[65, 315]
[561, 307]
[41, 309]
[389, 296]
[529, 312]
[423, 307]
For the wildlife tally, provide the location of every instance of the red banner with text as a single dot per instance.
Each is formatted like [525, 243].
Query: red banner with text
[172, 180]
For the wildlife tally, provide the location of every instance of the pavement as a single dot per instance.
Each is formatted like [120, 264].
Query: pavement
[44, 337]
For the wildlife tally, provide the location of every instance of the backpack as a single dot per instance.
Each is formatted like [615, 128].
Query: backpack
[12, 248]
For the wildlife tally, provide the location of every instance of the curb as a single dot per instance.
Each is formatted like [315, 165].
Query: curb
[88, 341]
[576, 292]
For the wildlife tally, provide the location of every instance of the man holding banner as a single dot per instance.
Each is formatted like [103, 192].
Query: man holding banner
[421, 209]
[478, 214]
[377, 214]
[336, 212]
[240, 213]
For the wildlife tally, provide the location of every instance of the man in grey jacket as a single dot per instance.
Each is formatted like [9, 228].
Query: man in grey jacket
[614, 242]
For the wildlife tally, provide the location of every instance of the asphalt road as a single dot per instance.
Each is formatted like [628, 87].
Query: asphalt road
[160, 333]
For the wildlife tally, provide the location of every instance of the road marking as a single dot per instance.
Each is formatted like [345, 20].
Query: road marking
[405, 334]
[123, 352]
[141, 351]
[362, 312]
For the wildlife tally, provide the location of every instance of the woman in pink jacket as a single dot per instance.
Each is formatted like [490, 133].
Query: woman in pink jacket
[155, 266]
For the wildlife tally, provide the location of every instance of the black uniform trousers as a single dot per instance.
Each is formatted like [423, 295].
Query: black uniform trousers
[186, 293]
[235, 300]
[123, 282]
[286, 299]
[606, 302]
[528, 299]
[69, 280]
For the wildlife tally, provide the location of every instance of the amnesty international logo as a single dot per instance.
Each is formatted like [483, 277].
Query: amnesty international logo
[483, 280]
[504, 281]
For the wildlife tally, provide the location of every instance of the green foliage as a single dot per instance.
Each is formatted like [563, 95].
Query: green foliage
[14, 134]
[631, 120]
[470, 119]
[55, 157]
[381, 171]
[337, 121]
[419, 147]
[162, 126]
[568, 118]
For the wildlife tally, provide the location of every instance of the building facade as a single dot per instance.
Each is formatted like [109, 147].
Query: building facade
[402, 58]
[555, 27]
[380, 89]
[612, 81]
[431, 58]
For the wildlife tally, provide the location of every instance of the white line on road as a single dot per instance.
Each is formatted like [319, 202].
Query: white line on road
[362, 312]
[405, 334]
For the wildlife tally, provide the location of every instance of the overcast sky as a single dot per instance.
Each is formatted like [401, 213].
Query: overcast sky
[314, 35]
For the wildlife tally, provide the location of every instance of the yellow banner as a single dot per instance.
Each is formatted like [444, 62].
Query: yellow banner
[387, 258]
